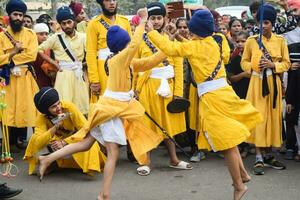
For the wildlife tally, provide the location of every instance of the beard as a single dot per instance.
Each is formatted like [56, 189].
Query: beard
[15, 25]
[69, 31]
[107, 12]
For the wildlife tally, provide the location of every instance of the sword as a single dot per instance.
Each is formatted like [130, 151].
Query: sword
[166, 134]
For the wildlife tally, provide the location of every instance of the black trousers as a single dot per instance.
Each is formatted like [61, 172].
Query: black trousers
[17, 133]
[291, 139]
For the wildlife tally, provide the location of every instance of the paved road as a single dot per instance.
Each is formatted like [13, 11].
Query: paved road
[209, 180]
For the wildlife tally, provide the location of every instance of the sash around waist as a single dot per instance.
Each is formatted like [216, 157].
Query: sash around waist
[120, 96]
[70, 65]
[269, 73]
[209, 86]
[166, 72]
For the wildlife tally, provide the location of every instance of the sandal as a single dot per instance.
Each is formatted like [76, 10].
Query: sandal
[182, 165]
[143, 170]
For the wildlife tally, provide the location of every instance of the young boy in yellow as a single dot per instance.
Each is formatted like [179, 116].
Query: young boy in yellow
[57, 135]
[225, 119]
[157, 87]
[265, 91]
[117, 107]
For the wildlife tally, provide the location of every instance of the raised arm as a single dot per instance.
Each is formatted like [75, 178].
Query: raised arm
[146, 63]
[168, 47]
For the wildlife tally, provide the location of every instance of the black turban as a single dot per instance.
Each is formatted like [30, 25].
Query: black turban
[45, 98]
[156, 8]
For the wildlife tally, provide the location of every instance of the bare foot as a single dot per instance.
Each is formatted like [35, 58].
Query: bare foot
[239, 193]
[43, 164]
[246, 178]
[101, 196]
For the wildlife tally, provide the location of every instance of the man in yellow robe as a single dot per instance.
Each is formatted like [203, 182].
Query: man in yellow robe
[157, 87]
[56, 134]
[18, 48]
[69, 53]
[96, 47]
[225, 120]
[265, 91]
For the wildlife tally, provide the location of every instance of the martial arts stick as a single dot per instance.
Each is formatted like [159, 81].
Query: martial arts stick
[166, 134]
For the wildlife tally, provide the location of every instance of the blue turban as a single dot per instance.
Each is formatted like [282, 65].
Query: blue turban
[45, 98]
[269, 13]
[117, 39]
[202, 23]
[16, 5]
[64, 13]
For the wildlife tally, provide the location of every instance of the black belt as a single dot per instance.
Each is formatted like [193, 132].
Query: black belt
[265, 86]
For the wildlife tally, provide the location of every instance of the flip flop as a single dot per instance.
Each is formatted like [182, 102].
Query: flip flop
[182, 165]
[143, 170]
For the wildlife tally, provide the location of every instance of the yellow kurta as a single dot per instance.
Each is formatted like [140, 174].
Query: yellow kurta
[96, 41]
[68, 86]
[155, 105]
[225, 120]
[141, 139]
[21, 111]
[268, 133]
[88, 161]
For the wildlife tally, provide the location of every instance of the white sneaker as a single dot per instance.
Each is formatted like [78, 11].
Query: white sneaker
[197, 156]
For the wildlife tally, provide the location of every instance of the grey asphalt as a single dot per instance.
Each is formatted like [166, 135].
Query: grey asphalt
[209, 180]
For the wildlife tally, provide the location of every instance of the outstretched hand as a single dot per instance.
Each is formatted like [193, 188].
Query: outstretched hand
[143, 14]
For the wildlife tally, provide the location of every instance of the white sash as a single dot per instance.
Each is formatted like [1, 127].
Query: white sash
[209, 86]
[120, 96]
[72, 66]
[103, 54]
[163, 73]
[269, 73]
[16, 70]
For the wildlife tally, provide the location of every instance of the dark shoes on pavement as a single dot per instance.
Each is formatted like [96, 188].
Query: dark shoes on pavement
[275, 164]
[270, 161]
[258, 168]
[6, 192]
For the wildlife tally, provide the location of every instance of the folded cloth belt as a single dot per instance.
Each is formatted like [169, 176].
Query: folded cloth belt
[16, 70]
[210, 86]
[163, 73]
[265, 87]
[73, 66]
[103, 54]
[113, 129]
[120, 96]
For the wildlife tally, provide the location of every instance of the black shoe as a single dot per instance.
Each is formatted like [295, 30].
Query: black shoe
[275, 164]
[6, 192]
